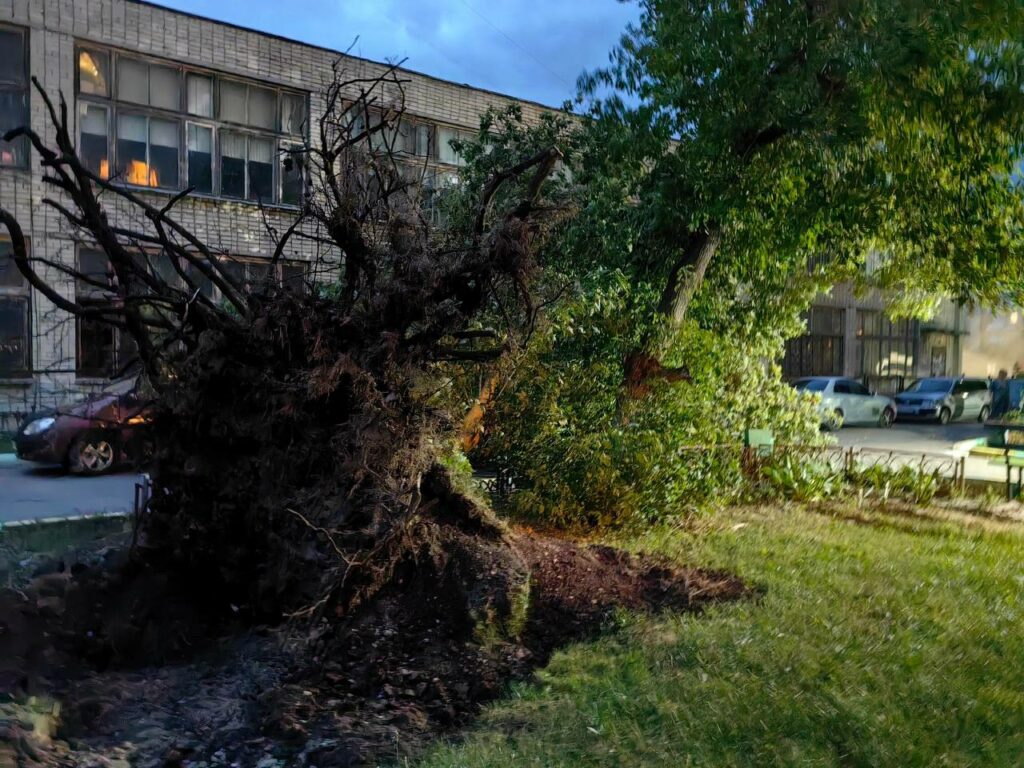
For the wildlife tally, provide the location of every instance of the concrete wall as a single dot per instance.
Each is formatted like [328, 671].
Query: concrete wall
[994, 341]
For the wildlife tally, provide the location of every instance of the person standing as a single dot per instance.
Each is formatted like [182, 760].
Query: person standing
[1000, 389]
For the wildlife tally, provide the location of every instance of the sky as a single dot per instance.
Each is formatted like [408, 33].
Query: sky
[532, 49]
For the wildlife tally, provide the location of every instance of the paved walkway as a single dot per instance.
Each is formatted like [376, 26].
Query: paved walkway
[30, 491]
[927, 438]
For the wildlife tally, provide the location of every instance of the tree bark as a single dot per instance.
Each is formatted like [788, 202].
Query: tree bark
[688, 274]
[642, 366]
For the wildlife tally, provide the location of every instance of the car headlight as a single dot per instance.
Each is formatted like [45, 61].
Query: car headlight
[38, 426]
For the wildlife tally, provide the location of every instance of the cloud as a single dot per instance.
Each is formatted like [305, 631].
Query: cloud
[533, 50]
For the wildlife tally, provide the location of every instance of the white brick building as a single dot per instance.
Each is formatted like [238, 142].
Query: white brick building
[165, 100]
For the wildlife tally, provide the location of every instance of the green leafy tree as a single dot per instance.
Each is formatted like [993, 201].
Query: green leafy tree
[749, 155]
[760, 134]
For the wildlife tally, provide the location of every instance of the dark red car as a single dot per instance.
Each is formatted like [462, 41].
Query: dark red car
[92, 436]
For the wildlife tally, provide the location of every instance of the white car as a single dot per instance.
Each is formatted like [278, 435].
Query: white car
[847, 401]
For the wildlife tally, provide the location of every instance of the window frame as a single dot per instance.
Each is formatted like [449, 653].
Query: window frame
[277, 136]
[24, 89]
[214, 169]
[24, 292]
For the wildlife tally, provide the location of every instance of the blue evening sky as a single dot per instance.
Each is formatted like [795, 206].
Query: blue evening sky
[533, 49]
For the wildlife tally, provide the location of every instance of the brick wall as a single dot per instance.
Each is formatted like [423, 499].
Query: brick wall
[236, 228]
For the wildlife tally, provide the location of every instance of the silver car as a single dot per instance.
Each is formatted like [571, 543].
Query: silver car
[846, 401]
[945, 399]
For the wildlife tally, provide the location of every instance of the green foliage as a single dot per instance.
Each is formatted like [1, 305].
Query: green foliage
[580, 455]
[801, 478]
[885, 643]
[908, 482]
[824, 131]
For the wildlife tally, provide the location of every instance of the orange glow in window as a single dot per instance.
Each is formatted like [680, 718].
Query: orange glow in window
[140, 173]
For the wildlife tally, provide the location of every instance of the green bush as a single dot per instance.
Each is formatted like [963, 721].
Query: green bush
[582, 455]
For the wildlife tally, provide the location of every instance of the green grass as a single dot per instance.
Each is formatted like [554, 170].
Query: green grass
[6, 443]
[885, 640]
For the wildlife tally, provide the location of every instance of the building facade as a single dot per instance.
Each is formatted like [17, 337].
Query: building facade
[850, 335]
[164, 100]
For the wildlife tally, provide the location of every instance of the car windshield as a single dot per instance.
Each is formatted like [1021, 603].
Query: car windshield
[811, 385]
[929, 385]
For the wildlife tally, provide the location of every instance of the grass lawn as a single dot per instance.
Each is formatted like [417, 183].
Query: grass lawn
[880, 639]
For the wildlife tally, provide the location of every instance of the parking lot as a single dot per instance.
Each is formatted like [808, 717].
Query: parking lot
[923, 437]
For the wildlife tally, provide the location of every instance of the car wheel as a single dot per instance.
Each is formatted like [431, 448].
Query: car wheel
[983, 416]
[92, 454]
[835, 420]
[887, 418]
[944, 416]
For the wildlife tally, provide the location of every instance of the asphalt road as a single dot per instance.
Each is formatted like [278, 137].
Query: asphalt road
[928, 438]
[30, 491]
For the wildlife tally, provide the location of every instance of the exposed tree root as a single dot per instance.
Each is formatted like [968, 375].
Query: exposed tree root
[121, 654]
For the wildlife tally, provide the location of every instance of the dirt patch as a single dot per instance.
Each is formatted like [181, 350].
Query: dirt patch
[99, 670]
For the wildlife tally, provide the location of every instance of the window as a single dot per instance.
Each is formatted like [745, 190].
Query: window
[820, 351]
[101, 350]
[200, 96]
[94, 73]
[857, 388]
[293, 114]
[247, 166]
[13, 95]
[15, 319]
[150, 84]
[200, 158]
[147, 150]
[248, 104]
[232, 164]
[166, 126]
[293, 174]
[445, 152]
[94, 146]
[250, 274]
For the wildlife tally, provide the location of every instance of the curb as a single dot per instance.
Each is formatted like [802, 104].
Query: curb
[65, 519]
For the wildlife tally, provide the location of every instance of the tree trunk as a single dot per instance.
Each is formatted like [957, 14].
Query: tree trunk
[642, 366]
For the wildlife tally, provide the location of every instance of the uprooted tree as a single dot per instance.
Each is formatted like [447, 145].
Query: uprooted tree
[298, 444]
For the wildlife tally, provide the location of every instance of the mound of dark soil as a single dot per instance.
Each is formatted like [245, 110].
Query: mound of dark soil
[102, 670]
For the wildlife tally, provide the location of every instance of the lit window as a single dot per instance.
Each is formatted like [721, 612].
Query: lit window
[13, 95]
[94, 144]
[94, 73]
[164, 138]
[131, 150]
[141, 144]
[147, 151]
[15, 339]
